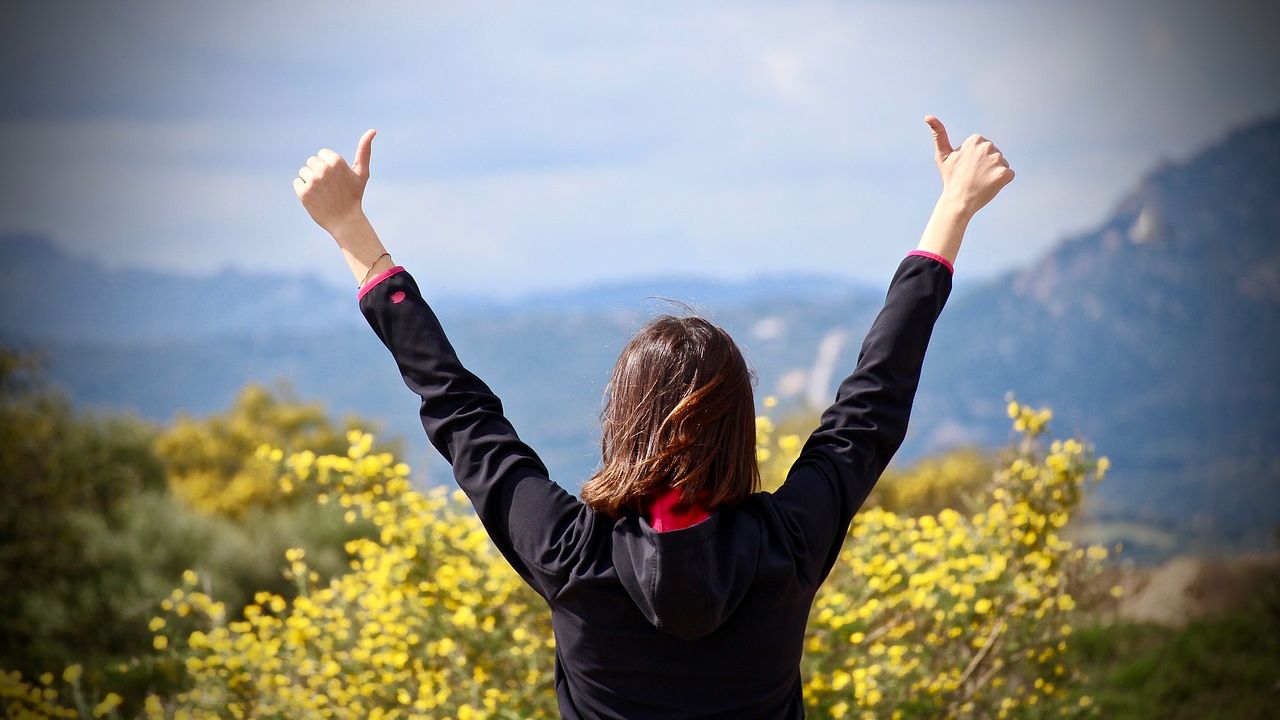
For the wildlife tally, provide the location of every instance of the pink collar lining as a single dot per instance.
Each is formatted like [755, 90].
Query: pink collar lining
[665, 519]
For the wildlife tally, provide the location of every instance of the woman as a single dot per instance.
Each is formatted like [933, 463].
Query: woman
[677, 588]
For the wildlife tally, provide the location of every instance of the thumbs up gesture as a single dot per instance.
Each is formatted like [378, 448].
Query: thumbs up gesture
[973, 173]
[331, 190]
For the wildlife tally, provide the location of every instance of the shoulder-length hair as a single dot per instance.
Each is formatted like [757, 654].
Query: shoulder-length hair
[679, 412]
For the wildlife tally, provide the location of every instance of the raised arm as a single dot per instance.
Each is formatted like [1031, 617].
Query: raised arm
[533, 522]
[861, 431]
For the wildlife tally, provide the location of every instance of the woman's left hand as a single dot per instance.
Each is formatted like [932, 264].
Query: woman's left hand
[331, 190]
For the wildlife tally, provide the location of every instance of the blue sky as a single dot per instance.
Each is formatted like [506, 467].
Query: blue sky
[534, 146]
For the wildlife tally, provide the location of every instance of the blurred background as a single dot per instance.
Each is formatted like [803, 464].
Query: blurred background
[166, 304]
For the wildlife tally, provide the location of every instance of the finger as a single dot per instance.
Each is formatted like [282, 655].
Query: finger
[299, 186]
[307, 174]
[942, 144]
[364, 149]
[316, 163]
[330, 156]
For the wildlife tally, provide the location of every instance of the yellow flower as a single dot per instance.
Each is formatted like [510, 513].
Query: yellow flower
[1103, 464]
[109, 703]
[72, 673]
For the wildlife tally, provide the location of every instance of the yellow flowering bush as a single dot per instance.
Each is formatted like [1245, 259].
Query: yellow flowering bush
[957, 479]
[48, 698]
[946, 614]
[430, 621]
[958, 615]
[210, 461]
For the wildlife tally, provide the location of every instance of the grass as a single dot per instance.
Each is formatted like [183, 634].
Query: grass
[1226, 666]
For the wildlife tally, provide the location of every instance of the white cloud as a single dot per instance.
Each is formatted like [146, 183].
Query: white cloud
[524, 149]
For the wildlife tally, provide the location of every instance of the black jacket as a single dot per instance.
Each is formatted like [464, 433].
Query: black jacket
[707, 621]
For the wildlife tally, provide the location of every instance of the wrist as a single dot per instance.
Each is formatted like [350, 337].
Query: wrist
[944, 233]
[380, 265]
[349, 228]
[952, 209]
[360, 246]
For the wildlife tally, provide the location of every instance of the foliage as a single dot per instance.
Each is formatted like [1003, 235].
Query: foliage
[956, 479]
[960, 615]
[69, 479]
[210, 462]
[943, 614]
[92, 537]
[1222, 666]
[429, 619]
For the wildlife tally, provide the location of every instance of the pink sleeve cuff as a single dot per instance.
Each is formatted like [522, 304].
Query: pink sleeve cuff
[377, 279]
[935, 256]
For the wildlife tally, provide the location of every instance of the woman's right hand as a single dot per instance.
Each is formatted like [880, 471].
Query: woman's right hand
[973, 173]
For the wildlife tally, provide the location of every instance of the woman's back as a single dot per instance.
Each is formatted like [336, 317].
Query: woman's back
[703, 621]
[716, 610]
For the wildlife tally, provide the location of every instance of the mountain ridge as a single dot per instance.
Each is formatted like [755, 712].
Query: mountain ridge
[1155, 334]
[233, 301]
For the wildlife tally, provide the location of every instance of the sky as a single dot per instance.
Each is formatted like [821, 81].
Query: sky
[533, 147]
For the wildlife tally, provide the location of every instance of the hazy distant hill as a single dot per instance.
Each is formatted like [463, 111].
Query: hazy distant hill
[136, 341]
[1155, 335]
[48, 294]
[92, 303]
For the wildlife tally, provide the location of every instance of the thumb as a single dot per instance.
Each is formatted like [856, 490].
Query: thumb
[942, 143]
[363, 149]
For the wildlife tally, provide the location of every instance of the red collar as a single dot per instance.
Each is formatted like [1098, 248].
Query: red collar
[664, 519]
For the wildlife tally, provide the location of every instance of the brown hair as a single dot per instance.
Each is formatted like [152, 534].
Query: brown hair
[679, 412]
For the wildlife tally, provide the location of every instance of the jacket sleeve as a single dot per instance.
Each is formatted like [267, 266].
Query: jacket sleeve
[534, 523]
[860, 432]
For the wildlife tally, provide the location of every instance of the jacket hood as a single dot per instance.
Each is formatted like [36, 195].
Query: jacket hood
[687, 582]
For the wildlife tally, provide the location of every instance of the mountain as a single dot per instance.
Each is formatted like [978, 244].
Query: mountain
[167, 344]
[1155, 335]
[92, 303]
[698, 291]
[48, 294]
